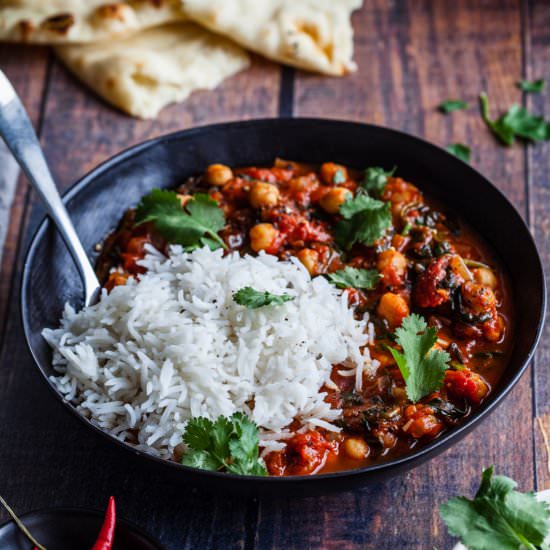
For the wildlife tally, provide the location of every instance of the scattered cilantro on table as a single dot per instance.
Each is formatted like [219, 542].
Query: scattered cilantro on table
[422, 367]
[365, 221]
[252, 298]
[452, 105]
[516, 122]
[498, 517]
[375, 179]
[228, 444]
[196, 224]
[357, 278]
[460, 151]
[532, 86]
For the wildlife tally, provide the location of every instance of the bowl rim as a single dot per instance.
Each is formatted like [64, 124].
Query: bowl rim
[432, 448]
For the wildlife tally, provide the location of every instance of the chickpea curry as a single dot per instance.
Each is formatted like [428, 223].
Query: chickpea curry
[413, 268]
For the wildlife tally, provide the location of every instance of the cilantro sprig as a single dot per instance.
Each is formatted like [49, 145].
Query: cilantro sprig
[195, 225]
[375, 179]
[422, 367]
[452, 105]
[253, 299]
[460, 151]
[366, 279]
[228, 444]
[498, 517]
[365, 221]
[516, 122]
[532, 86]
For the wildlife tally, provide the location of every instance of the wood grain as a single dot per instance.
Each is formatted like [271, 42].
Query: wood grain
[413, 55]
[537, 18]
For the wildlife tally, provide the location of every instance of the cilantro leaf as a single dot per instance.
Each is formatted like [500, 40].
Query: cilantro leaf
[422, 367]
[532, 86]
[200, 459]
[375, 179]
[253, 299]
[195, 225]
[452, 105]
[228, 444]
[356, 278]
[365, 221]
[460, 151]
[498, 516]
[516, 122]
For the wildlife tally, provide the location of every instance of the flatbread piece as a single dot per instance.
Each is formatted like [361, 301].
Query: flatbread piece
[311, 34]
[145, 72]
[69, 21]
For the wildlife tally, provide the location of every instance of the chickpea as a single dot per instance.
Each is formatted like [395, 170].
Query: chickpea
[334, 198]
[262, 236]
[218, 174]
[393, 308]
[477, 298]
[356, 448]
[184, 199]
[303, 184]
[179, 451]
[493, 331]
[310, 259]
[485, 277]
[392, 265]
[331, 171]
[263, 194]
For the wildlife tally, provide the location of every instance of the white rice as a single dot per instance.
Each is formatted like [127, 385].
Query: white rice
[175, 345]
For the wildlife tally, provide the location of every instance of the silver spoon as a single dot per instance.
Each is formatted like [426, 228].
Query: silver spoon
[17, 131]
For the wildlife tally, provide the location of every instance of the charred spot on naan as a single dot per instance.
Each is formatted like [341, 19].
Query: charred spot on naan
[60, 23]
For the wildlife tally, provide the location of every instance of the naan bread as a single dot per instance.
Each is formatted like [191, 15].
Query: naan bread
[143, 73]
[312, 34]
[62, 21]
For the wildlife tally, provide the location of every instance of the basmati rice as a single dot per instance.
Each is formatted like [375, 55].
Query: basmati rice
[156, 352]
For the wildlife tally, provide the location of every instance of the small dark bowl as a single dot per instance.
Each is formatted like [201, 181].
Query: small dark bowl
[71, 528]
[97, 202]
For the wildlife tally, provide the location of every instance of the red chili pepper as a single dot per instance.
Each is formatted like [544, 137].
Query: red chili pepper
[107, 533]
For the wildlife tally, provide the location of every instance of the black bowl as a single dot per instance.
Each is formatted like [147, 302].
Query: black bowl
[71, 528]
[97, 202]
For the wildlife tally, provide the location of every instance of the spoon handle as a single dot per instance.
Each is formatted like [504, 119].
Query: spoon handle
[17, 131]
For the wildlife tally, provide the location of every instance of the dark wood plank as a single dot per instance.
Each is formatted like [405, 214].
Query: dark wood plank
[411, 56]
[27, 68]
[49, 459]
[537, 17]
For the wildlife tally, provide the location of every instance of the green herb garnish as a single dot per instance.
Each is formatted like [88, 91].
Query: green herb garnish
[452, 105]
[422, 367]
[532, 86]
[460, 151]
[195, 225]
[365, 221]
[356, 278]
[339, 177]
[375, 179]
[253, 299]
[498, 517]
[516, 122]
[228, 444]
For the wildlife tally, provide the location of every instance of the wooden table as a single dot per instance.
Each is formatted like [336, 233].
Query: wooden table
[411, 55]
